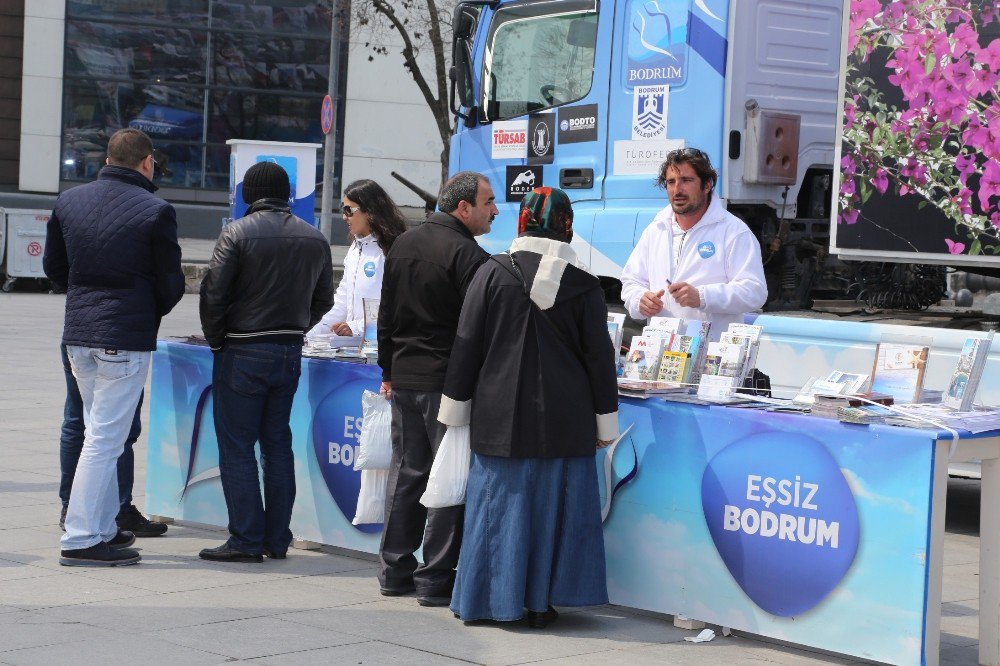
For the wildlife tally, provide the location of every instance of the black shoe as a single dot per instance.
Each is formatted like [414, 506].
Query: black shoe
[397, 591]
[434, 601]
[62, 518]
[122, 540]
[226, 553]
[270, 554]
[541, 620]
[131, 520]
[99, 555]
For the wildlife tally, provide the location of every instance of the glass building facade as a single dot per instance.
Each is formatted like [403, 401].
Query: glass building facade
[193, 74]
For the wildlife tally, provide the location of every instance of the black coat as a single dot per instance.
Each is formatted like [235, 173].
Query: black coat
[113, 244]
[533, 385]
[426, 274]
[270, 278]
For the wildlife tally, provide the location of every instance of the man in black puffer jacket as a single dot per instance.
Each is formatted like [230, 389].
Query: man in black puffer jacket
[269, 281]
[113, 243]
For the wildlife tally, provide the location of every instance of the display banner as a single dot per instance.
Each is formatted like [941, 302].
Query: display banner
[803, 529]
[182, 477]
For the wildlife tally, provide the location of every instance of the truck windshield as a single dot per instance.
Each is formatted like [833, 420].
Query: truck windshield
[538, 55]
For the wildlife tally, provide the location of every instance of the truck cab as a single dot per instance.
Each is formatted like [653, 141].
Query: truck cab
[590, 96]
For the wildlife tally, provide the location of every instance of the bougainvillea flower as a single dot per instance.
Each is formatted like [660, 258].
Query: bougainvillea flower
[954, 247]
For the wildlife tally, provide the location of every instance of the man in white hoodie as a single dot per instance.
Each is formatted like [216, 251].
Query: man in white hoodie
[696, 260]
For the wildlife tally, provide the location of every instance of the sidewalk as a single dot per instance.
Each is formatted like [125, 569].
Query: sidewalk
[314, 607]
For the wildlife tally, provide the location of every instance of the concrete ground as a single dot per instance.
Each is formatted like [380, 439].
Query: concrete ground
[314, 607]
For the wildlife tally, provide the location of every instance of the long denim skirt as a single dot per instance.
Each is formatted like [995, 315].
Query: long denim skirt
[533, 538]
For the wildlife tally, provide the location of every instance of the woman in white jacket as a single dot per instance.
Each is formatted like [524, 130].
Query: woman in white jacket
[374, 222]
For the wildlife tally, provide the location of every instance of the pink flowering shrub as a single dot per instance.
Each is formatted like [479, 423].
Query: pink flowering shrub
[943, 143]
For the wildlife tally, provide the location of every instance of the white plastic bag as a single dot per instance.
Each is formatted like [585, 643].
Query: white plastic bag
[450, 471]
[375, 442]
[371, 499]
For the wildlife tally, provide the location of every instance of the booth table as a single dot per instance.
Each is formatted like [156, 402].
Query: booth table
[806, 530]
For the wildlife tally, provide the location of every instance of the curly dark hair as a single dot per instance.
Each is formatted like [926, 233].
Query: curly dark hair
[384, 218]
[698, 160]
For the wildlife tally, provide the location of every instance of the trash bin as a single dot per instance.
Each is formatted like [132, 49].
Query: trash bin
[25, 244]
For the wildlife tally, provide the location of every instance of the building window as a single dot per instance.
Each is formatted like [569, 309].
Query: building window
[192, 74]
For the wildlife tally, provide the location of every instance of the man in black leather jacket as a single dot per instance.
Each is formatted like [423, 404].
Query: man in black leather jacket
[269, 281]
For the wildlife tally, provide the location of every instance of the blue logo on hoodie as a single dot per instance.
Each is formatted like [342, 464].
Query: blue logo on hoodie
[706, 249]
[370, 269]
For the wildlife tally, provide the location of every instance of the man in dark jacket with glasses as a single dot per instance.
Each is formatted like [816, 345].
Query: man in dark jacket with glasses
[113, 243]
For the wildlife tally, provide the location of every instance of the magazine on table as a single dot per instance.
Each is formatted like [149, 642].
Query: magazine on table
[724, 368]
[643, 359]
[964, 382]
[899, 370]
[672, 325]
[835, 383]
[673, 366]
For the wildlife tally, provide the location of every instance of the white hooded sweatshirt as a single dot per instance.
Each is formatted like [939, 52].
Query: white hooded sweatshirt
[719, 255]
[362, 279]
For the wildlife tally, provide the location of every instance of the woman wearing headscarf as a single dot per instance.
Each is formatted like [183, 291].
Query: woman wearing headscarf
[533, 373]
[374, 222]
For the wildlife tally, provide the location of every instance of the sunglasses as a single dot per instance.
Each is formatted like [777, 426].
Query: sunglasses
[349, 211]
[689, 152]
[160, 168]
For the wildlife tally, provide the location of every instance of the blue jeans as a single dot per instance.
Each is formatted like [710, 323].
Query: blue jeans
[71, 441]
[252, 387]
[110, 383]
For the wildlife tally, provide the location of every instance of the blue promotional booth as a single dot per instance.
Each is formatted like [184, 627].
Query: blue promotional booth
[802, 529]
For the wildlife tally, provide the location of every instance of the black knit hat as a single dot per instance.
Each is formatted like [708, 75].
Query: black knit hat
[265, 180]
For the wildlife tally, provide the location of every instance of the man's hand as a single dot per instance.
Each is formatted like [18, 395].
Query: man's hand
[604, 443]
[685, 294]
[386, 390]
[342, 328]
[651, 304]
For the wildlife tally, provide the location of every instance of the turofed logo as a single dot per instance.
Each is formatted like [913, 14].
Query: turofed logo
[505, 138]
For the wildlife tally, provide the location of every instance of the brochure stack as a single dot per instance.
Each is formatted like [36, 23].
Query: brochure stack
[965, 380]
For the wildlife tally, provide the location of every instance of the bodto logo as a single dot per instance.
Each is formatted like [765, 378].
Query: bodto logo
[336, 431]
[783, 519]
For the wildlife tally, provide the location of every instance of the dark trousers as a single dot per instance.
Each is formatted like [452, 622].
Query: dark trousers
[252, 388]
[416, 435]
[71, 441]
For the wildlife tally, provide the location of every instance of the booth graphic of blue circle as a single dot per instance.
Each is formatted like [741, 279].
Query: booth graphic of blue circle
[335, 444]
[787, 573]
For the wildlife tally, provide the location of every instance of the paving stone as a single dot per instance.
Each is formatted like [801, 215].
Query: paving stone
[255, 637]
[30, 629]
[63, 590]
[151, 613]
[125, 650]
[368, 652]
